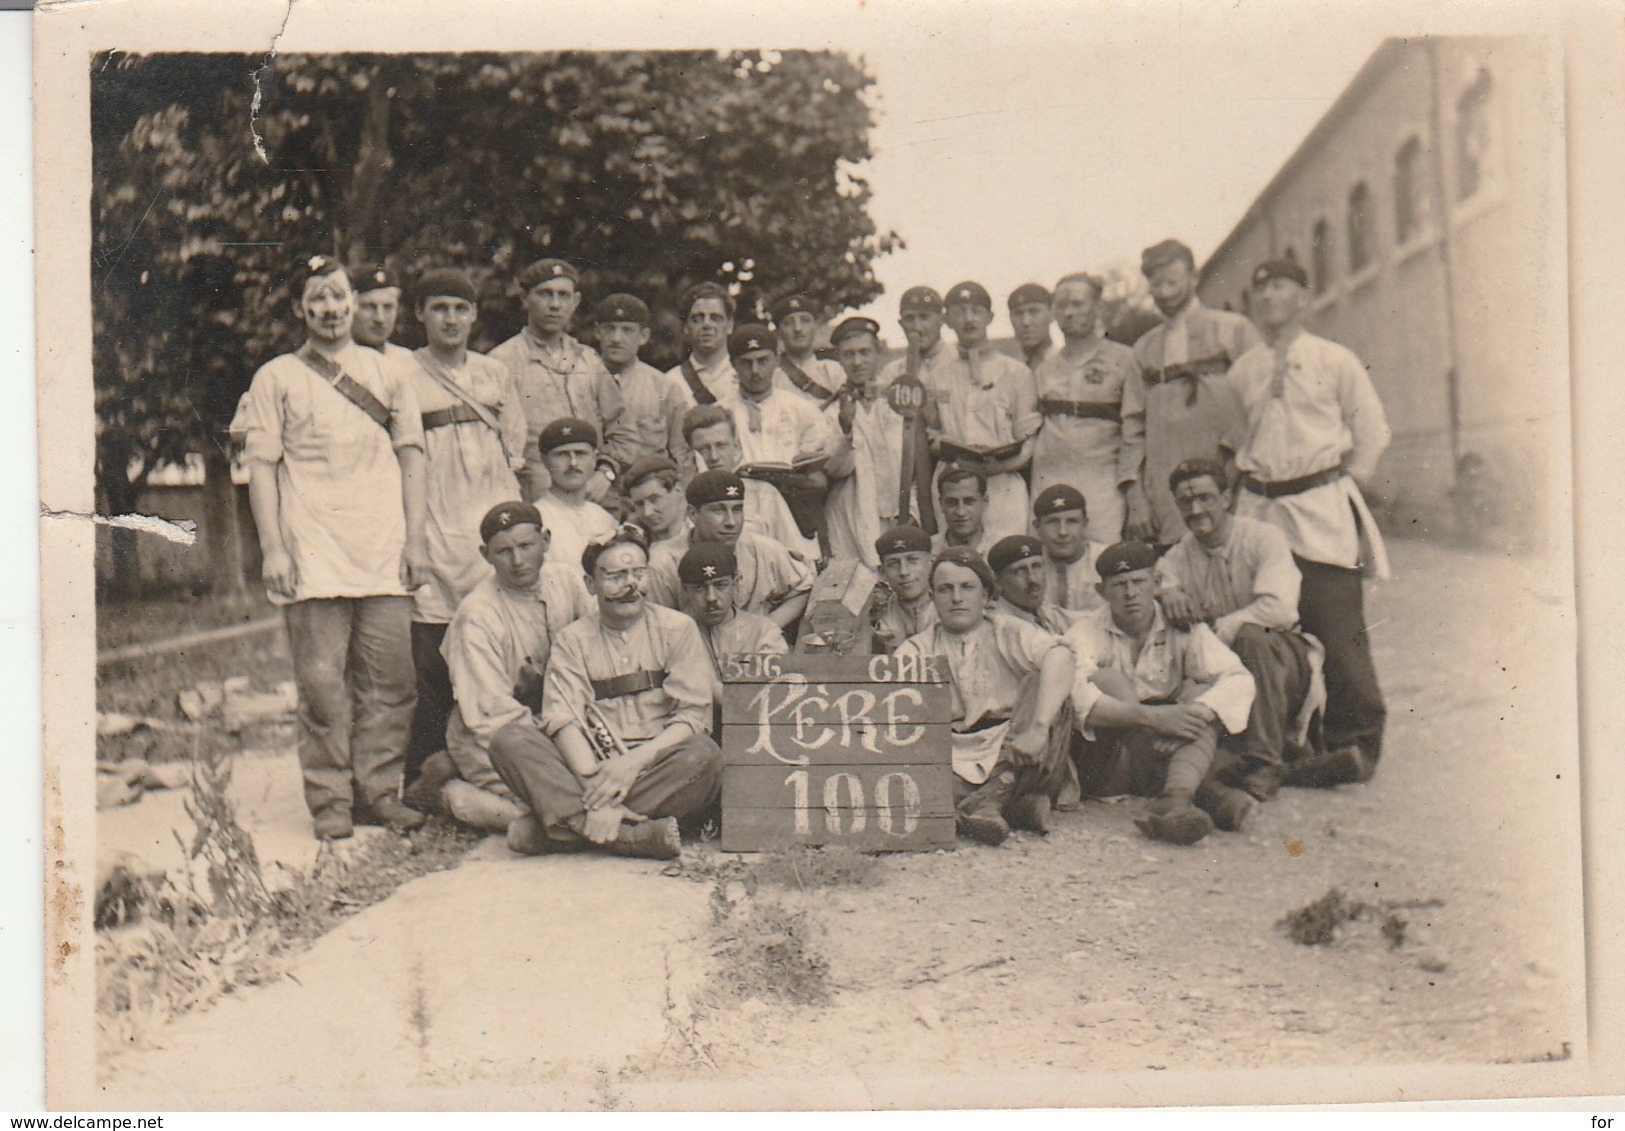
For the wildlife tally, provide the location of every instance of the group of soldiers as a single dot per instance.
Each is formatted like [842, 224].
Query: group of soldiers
[511, 580]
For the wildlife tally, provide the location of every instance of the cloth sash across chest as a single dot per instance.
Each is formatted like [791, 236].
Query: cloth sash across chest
[691, 377]
[346, 386]
[806, 384]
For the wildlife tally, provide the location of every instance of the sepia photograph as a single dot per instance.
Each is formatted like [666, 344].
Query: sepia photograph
[924, 556]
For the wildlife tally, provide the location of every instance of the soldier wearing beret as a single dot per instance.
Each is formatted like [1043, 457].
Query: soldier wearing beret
[1150, 699]
[474, 441]
[333, 442]
[1190, 410]
[653, 489]
[865, 468]
[1093, 404]
[557, 377]
[708, 572]
[1030, 318]
[920, 313]
[1021, 571]
[903, 608]
[985, 402]
[496, 650]
[795, 317]
[1010, 680]
[654, 401]
[1315, 431]
[377, 308]
[712, 432]
[706, 375]
[769, 579]
[1061, 518]
[568, 449]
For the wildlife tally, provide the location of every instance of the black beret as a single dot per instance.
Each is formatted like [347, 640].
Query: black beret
[373, 279]
[506, 516]
[316, 266]
[750, 338]
[715, 487]
[792, 304]
[920, 298]
[1013, 548]
[447, 281]
[707, 561]
[970, 559]
[643, 467]
[1279, 269]
[972, 293]
[567, 430]
[1124, 557]
[1164, 253]
[1058, 498]
[852, 327]
[544, 269]
[622, 308]
[903, 540]
[1029, 293]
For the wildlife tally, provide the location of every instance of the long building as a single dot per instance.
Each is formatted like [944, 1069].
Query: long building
[1422, 206]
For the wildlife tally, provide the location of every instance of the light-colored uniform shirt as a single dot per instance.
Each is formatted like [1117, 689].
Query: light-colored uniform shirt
[826, 376]
[987, 667]
[663, 641]
[782, 427]
[863, 505]
[897, 620]
[718, 378]
[654, 406]
[769, 575]
[1177, 427]
[1169, 659]
[1326, 415]
[1097, 456]
[741, 634]
[468, 470]
[571, 526]
[939, 540]
[338, 478]
[498, 633]
[1048, 616]
[1071, 585]
[1250, 579]
[580, 387]
[988, 400]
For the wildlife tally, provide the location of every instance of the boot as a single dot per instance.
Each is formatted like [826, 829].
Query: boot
[527, 837]
[981, 815]
[1256, 777]
[648, 840]
[1174, 819]
[478, 809]
[334, 823]
[1231, 809]
[1030, 811]
[424, 792]
[1322, 771]
[389, 812]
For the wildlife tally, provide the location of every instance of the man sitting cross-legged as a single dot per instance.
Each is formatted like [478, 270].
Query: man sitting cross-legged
[1011, 732]
[1237, 575]
[623, 752]
[1149, 699]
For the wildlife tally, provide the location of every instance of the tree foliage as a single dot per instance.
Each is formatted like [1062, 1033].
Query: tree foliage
[650, 170]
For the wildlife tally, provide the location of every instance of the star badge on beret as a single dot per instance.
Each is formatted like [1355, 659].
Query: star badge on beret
[566, 430]
[1057, 504]
[709, 571]
[733, 492]
[964, 293]
[1124, 566]
[754, 343]
[899, 544]
[316, 262]
[557, 269]
[504, 515]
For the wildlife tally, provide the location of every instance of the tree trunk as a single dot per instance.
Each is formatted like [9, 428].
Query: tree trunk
[117, 495]
[373, 161]
[222, 534]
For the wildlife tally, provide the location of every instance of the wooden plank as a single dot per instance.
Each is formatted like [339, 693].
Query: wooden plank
[836, 704]
[861, 744]
[764, 830]
[923, 790]
[760, 668]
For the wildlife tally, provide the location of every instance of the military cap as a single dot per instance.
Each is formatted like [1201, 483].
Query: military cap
[750, 338]
[544, 269]
[707, 561]
[567, 430]
[1013, 548]
[715, 487]
[1279, 269]
[852, 327]
[506, 516]
[642, 468]
[972, 293]
[316, 266]
[622, 308]
[1124, 557]
[920, 298]
[792, 304]
[1027, 294]
[903, 540]
[373, 279]
[1161, 254]
[970, 559]
[447, 281]
[1058, 498]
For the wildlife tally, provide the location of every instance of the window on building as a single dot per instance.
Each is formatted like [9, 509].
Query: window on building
[1410, 204]
[1320, 257]
[1474, 134]
[1359, 228]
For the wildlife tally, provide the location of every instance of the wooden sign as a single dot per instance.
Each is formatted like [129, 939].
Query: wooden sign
[828, 749]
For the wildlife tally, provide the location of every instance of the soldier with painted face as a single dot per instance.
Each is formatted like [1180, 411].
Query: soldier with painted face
[1030, 318]
[333, 441]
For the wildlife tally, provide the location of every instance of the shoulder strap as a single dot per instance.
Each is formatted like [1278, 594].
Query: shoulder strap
[432, 368]
[691, 377]
[806, 384]
[346, 386]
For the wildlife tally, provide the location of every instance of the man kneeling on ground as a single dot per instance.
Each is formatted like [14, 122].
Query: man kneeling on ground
[1011, 731]
[623, 754]
[1149, 699]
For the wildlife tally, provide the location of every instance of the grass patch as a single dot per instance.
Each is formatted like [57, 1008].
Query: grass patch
[807, 869]
[767, 951]
[1324, 921]
[137, 620]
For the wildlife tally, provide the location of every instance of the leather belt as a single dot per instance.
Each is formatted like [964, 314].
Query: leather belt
[981, 724]
[456, 414]
[1292, 486]
[630, 684]
[1201, 367]
[1083, 410]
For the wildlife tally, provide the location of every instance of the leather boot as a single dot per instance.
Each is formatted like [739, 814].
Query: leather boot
[981, 815]
[1231, 809]
[472, 806]
[1173, 818]
[1322, 771]
[1030, 811]
[648, 840]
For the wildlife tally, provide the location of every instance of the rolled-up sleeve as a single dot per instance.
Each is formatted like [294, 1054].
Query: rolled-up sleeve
[257, 424]
[405, 421]
[1276, 583]
[1087, 645]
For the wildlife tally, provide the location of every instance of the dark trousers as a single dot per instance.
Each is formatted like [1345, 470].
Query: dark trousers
[1332, 608]
[1279, 663]
[435, 699]
[1053, 771]
[1128, 762]
[686, 783]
